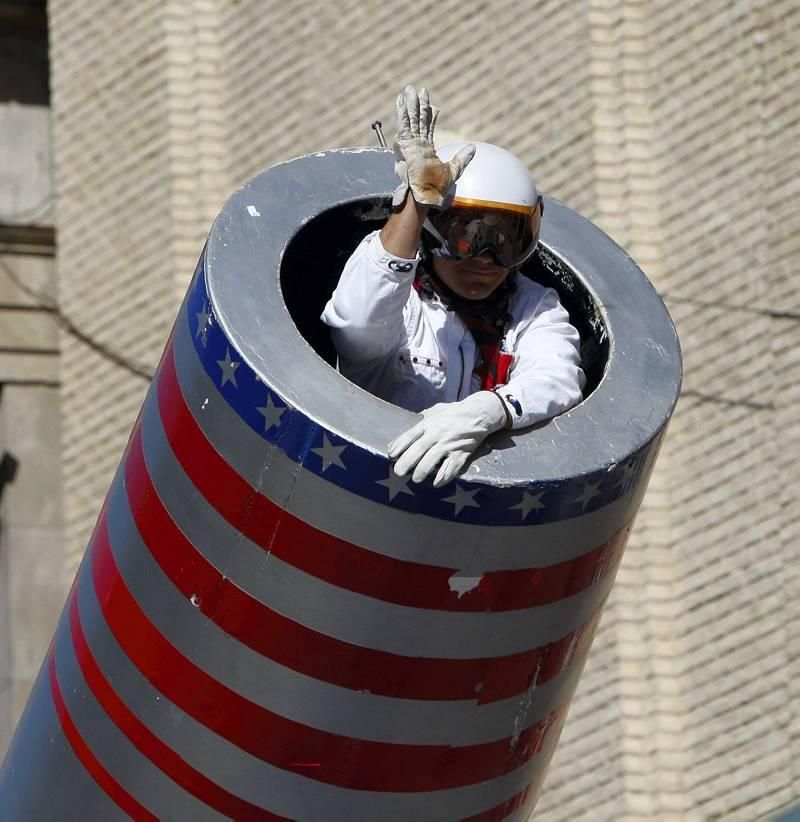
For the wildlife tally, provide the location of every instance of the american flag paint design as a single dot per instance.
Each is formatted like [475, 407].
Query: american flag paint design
[269, 624]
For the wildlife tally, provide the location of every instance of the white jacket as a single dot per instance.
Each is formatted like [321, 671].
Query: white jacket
[414, 353]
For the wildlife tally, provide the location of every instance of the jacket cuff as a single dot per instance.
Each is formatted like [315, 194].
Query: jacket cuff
[515, 415]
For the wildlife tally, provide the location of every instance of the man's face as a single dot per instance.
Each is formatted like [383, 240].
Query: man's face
[473, 279]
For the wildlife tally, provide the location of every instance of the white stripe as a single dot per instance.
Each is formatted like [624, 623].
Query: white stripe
[41, 756]
[142, 779]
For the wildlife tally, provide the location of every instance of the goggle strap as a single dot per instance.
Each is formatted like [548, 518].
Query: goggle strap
[429, 226]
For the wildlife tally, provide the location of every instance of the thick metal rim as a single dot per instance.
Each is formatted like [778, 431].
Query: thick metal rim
[630, 406]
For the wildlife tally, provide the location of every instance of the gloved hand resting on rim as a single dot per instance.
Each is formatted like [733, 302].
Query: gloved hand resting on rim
[416, 163]
[448, 433]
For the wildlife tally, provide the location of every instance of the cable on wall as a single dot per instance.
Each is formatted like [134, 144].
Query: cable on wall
[47, 303]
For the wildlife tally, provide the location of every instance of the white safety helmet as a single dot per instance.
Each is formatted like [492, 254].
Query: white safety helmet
[493, 207]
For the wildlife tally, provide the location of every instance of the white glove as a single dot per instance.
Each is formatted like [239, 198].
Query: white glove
[416, 163]
[449, 433]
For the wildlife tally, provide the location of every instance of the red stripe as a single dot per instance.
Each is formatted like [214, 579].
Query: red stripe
[346, 762]
[318, 655]
[349, 566]
[92, 764]
[149, 744]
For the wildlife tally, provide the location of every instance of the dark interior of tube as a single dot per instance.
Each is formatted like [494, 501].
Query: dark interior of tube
[316, 256]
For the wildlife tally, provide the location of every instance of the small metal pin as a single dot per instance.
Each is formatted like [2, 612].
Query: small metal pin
[376, 124]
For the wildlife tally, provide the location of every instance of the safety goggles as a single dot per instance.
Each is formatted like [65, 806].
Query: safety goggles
[509, 236]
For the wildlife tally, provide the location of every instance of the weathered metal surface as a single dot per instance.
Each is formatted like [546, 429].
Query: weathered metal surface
[268, 623]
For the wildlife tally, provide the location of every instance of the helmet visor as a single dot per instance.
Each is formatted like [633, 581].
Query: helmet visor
[469, 231]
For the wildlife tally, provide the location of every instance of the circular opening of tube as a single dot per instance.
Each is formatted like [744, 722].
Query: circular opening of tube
[275, 254]
[315, 257]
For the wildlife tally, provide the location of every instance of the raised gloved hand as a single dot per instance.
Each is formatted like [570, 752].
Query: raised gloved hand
[448, 434]
[416, 163]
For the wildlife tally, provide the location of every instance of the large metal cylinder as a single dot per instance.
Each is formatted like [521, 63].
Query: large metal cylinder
[268, 623]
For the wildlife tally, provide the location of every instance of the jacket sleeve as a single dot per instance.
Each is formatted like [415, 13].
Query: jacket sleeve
[545, 378]
[366, 312]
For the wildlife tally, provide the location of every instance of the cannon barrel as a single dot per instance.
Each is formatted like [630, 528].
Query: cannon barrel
[268, 623]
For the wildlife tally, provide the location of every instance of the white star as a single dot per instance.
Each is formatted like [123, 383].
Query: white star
[228, 367]
[462, 499]
[590, 491]
[203, 318]
[625, 475]
[396, 485]
[329, 453]
[272, 413]
[529, 502]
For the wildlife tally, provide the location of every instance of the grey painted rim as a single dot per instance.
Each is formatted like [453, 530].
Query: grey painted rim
[630, 406]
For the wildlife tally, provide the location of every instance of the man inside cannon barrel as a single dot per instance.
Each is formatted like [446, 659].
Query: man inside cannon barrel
[431, 314]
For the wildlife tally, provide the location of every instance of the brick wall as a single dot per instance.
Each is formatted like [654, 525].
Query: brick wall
[139, 178]
[676, 127]
[696, 166]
